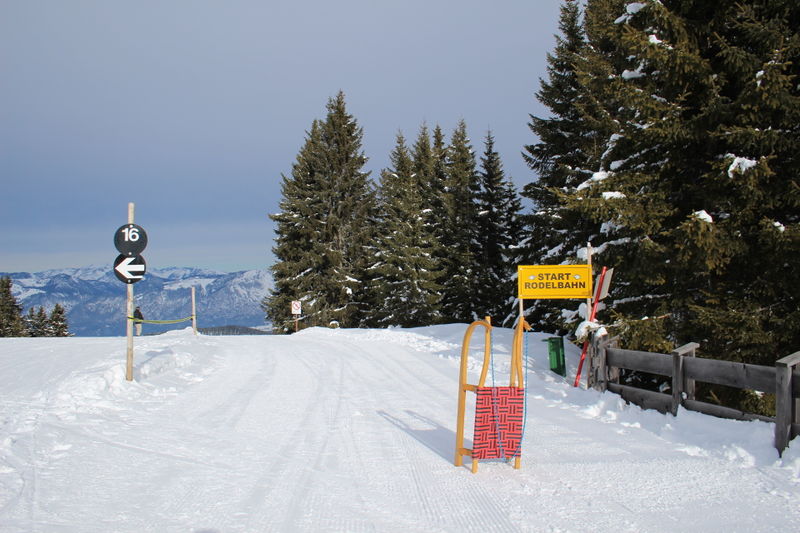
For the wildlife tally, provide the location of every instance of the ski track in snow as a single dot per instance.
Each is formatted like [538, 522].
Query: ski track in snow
[353, 430]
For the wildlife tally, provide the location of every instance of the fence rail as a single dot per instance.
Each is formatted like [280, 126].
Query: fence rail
[685, 369]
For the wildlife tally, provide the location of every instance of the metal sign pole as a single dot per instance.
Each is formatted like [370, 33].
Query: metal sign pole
[129, 316]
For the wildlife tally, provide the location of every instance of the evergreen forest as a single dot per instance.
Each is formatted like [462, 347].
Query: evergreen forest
[670, 149]
[36, 323]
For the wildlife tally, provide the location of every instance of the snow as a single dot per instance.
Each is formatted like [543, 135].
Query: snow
[703, 215]
[596, 178]
[203, 283]
[634, 7]
[630, 9]
[613, 195]
[353, 430]
[634, 74]
[739, 165]
[610, 226]
[23, 292]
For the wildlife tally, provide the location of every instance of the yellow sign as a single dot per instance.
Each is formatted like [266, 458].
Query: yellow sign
[554, 281]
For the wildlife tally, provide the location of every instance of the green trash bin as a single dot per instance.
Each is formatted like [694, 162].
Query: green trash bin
[555, 348]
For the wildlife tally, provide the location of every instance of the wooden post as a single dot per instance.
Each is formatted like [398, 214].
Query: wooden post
[601, 378]
[680, 385]
[689, 384]
[677, 382]
[129, 316]
[786, 409]
[194, 312]
[596, 377]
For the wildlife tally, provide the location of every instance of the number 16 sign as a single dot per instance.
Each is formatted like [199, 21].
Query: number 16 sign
[130, 240]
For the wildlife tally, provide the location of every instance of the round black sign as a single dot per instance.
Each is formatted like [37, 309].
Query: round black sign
[130, 240]
[129, 269]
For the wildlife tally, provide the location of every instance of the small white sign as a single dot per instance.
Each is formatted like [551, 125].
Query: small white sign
[296, 307]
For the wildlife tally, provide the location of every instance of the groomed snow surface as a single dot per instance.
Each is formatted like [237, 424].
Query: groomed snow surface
[354, 430]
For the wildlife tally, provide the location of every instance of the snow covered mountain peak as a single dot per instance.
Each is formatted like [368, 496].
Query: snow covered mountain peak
[96, 301]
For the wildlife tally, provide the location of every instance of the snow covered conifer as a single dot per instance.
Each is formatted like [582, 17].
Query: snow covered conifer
[696, 188]
[434, 192]
[11, 321]
[405, 274]
[323, 232]
[57, 325]
[36, 322]
[459, 264]
[498, 228]
[429, 162]
[569, 145]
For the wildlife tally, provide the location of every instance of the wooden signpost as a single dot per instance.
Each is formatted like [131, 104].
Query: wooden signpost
[130, 241]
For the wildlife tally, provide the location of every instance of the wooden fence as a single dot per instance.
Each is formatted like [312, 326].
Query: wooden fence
[783, 380]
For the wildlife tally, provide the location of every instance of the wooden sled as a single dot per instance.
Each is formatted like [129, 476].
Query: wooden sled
[499, 411]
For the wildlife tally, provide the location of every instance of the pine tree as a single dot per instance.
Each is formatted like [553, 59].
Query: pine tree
[298, 260]
[434, 192]
[749, 303]
[57, 322]
[569, 147]
[429, 163]
[498, 228]
[459, 281]
[11, 321]
[324, 230]
[405, 276]
[696, 186]
[36, 322]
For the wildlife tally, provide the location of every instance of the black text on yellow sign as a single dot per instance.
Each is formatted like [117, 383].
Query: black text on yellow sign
[554, 281]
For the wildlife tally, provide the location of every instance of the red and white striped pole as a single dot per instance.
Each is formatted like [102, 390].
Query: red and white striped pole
[591, 319]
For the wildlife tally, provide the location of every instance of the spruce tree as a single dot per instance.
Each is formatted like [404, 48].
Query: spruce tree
[36, 322]
[696, 186]
[569, 146]
[405, 275]
[498, 229]
[435, 203]
[11, 321]
[459, 281]
[429, 163]
[297, 230]
[324, 230]
[57, 325]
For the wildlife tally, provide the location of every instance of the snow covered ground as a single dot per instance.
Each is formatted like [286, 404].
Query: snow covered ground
[353, 430]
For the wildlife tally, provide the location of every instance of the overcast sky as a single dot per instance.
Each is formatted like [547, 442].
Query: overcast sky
[192, 109]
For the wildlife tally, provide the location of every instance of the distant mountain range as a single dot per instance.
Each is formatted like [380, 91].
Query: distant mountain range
[95, 299]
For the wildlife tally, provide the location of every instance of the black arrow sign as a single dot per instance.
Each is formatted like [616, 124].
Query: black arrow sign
[129, 269]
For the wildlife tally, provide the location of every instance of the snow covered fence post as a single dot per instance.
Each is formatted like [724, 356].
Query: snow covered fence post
[597, 377]
[787, 398]
[681, 387]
